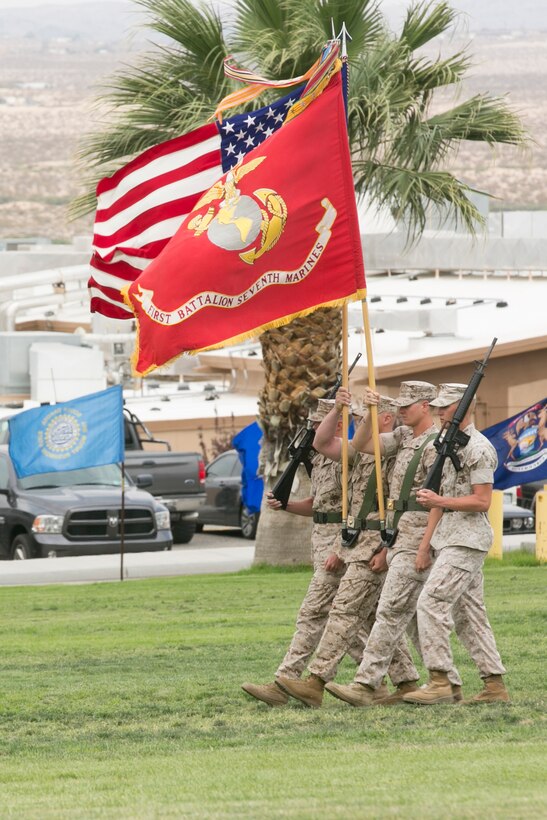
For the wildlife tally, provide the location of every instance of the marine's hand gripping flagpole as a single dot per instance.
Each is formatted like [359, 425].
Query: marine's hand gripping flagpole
[347, 536]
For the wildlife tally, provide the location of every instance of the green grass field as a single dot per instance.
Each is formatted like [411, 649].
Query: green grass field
[122, 700]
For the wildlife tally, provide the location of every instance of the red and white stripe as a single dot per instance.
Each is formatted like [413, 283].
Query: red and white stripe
[142, 205]
[140, 208]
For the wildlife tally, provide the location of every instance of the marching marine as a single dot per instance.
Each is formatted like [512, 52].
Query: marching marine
[324, 504]
[412, 447]
[460, 536]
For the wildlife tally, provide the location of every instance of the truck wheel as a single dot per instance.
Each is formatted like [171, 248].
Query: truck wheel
[21, 548]
[183, 531]
[248, 522]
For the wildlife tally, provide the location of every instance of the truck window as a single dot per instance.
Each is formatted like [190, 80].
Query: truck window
[131, 442]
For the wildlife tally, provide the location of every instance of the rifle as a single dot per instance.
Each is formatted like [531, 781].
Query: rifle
[450, 438]
[300, 449]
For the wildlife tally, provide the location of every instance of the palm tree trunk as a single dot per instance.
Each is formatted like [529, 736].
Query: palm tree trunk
[301, 362]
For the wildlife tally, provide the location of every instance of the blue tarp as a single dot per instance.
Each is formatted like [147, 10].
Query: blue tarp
[247, 444]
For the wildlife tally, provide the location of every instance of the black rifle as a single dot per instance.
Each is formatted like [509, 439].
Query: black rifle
[301, 450]
[450, 438]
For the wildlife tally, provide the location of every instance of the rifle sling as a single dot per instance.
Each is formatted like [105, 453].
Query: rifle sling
[406, 502]
[362, 522]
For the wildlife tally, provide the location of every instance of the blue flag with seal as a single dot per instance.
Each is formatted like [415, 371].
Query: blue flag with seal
[521, 445]
[83, 432]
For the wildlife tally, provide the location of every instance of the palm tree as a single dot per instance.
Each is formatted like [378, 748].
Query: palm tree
[398, 151]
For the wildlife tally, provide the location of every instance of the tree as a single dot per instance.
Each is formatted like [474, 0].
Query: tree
[399, 150]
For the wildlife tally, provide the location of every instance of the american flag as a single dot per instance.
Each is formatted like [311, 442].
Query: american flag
[142, 205]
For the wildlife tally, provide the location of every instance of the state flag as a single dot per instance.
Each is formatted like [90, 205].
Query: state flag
[521, 445]
[71, 435]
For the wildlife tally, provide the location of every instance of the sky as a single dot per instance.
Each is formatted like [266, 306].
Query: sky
[529, 14]
[18, 4]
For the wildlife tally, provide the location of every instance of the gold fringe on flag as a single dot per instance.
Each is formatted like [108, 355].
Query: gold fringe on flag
[359, 294]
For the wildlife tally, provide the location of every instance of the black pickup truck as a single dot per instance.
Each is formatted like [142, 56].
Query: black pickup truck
[79, 512]
[178, 479]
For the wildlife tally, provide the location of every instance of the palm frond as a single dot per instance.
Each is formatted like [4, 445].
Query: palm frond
[411, 195]
[481, 118]
[428, 75]
[425, 21]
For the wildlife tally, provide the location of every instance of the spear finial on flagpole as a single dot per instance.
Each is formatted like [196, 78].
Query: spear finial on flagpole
[344, 36]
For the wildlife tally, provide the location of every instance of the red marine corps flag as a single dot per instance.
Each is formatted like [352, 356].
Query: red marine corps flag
[276, 237]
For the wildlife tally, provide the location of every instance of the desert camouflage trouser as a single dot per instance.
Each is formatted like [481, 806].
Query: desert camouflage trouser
[395, 613]
[353, 613]
[453, 597]
[310, 623]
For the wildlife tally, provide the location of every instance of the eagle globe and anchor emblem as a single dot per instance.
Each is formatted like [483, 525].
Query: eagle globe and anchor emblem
[240, 219]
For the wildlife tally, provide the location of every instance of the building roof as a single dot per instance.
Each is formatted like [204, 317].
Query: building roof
[198, 401]
[457, 325]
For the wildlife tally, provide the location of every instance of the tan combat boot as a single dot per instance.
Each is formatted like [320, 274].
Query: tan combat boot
[381, 693]
[403, 688]
[356, 694]
[308, 691]
[494, 691]
[267, 692]
[438, 690]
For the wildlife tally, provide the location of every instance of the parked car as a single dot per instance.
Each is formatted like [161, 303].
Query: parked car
[223, 504]
[516, 520]
[77, 512]
[527, 494]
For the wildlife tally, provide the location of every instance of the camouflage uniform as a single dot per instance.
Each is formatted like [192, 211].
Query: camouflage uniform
[354, 606]
[403, 585]
[453, 594]
[313, 614]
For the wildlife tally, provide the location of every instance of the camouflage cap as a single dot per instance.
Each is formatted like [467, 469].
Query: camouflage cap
[358, 409]
[411, 392]
[324, 406]
[385, 405]
[448, 394]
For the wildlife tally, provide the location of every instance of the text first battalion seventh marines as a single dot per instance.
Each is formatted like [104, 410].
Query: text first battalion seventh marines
[455, 536]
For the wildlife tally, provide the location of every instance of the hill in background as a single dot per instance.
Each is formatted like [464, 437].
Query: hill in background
[52, 65]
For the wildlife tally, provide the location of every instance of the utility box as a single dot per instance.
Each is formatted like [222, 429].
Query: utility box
[60, 373]
[14, 357]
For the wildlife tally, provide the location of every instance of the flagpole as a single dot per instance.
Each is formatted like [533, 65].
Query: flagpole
[344, 36]
[122, 523]
[345, 419]
[375, 426]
